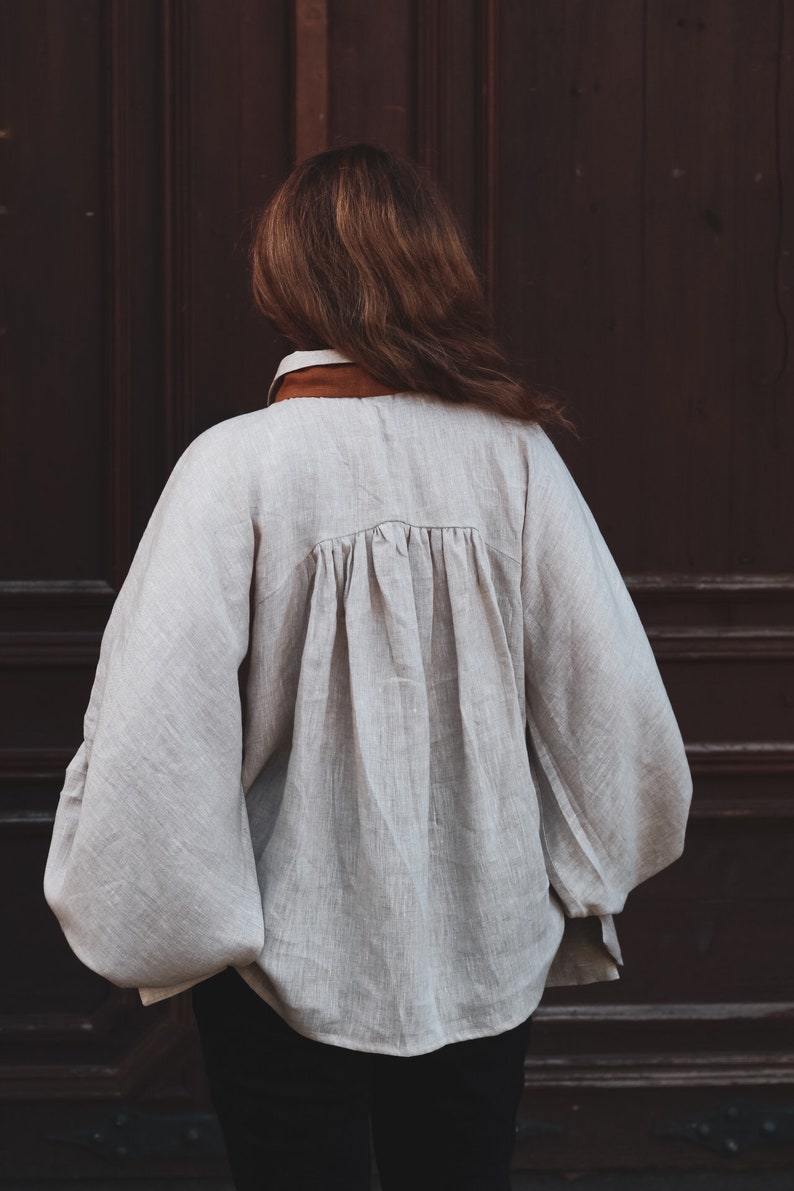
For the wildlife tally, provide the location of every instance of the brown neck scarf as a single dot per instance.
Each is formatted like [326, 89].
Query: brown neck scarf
[330, 380]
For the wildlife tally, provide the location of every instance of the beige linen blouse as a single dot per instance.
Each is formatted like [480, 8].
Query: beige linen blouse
[375, 722]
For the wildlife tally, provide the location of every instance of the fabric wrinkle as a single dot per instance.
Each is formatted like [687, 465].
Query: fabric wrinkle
[375, 675]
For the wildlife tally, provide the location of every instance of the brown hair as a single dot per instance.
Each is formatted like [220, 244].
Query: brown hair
[358, 251]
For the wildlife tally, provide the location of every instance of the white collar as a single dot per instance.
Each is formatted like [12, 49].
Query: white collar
[298, 360]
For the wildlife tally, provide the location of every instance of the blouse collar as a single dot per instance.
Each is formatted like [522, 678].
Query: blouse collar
[303, 359]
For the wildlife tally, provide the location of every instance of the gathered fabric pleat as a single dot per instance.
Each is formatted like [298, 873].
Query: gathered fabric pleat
[382, 819]
[376, 723]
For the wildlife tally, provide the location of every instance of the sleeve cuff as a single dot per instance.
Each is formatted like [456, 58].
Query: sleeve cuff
[589, 952]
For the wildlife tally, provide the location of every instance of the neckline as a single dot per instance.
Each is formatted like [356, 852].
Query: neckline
[304, 359]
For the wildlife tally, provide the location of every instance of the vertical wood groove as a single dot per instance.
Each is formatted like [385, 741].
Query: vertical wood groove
[431, 91]
[489, 145]
[779, 213]
[179, 372]
[311, 77]
[117, 281]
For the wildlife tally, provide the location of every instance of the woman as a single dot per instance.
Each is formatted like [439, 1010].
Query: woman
[377, 744]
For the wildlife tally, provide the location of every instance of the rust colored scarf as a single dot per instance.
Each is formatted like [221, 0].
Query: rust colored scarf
[330, 380]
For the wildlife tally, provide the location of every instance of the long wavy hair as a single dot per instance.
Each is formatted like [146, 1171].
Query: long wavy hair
[359, 251]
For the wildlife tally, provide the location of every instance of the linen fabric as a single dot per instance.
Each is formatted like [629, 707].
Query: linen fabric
[375, 722]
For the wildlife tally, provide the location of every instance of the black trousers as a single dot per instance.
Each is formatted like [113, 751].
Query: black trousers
[298, 1114]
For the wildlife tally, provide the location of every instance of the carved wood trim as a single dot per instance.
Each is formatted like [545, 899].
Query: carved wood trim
[32, 765]
[607, 1036]
[21, 823]
[660, 1070]
[734, 1011]
[693, 643]
[311, 95]
[731, 810]
[741, 756]
[671, 584]
[55, 593]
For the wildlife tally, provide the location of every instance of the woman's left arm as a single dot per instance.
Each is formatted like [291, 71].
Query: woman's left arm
[151, 871]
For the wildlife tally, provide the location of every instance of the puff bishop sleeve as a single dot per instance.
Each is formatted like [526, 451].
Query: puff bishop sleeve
[606, 752]
[151, 871]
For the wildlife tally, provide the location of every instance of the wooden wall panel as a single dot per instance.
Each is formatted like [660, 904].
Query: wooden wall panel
[372, 65]
[458, 97]
[762, 488]
[52, 346]
[628, 251]
[688, 294]
[234, 85]
[623, 171]
[134, 168]
[570, 229]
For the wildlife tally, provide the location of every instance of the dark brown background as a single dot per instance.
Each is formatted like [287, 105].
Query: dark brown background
[626, 171]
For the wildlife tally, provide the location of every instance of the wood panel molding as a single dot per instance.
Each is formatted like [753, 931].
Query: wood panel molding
[604, 1045]
[661, 1070]
[731, 810]
[96, 1077]
[26, 822]
[694, 643]
[33, 765]
[56, 593]
[567, 1067]
[741, 756]
[671, 585]
[680, 1011]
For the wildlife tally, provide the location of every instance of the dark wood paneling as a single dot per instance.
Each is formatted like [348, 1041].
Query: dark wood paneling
[623, 173]
[762, 473]
[117, 287]
[571, 233]
[458, 115]
[687, 381]
[632, 239]
[447, 100]
[715, 699]
[235, 120]
[135, 166]
[373, 73]
[53, 217]
[311, 95]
